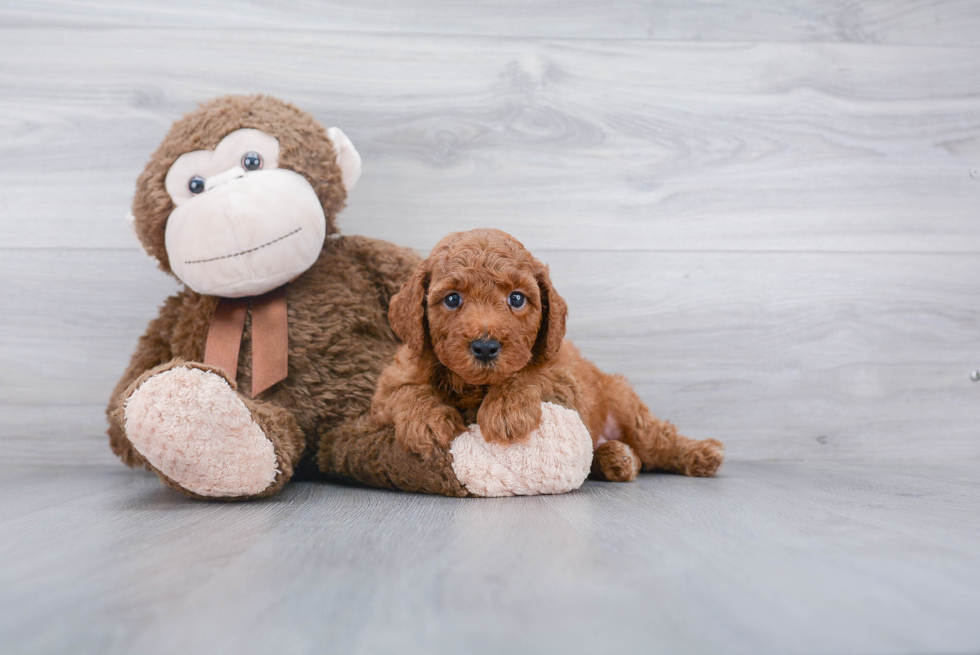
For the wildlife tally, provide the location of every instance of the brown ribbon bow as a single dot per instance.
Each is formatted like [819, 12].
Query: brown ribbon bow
[270, 337]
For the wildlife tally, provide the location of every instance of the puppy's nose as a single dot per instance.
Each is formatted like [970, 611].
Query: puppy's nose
[485, 349]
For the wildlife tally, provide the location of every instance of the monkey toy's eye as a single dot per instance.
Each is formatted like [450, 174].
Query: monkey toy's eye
[252, 161]
[196, 185]
[516, 299]
[452, 301]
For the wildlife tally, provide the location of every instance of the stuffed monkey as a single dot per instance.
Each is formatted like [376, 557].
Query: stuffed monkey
[266, 361]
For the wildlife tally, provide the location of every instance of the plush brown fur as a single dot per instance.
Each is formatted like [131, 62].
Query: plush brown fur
[363, 451]
[339, 336]
[436, 385]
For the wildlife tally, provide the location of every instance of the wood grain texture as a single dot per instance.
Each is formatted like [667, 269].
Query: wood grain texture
[762, 212]
[937, 22]
[576, 143]
[775, 241]
[781, 355]
[767, 558]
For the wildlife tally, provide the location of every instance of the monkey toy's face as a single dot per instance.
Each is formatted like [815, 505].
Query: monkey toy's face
[241, 194]
[241, 225]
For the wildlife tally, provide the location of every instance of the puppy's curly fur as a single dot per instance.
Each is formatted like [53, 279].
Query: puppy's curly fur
[484, 285]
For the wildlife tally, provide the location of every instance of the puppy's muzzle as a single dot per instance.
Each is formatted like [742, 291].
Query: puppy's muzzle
[485, 350]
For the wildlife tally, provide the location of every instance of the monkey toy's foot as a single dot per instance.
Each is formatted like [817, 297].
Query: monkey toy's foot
[194, 429]
[555, 458]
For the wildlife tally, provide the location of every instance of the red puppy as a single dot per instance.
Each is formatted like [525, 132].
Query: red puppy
[483, 334]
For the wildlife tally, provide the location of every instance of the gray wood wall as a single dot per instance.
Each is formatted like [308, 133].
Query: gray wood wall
[764, 213]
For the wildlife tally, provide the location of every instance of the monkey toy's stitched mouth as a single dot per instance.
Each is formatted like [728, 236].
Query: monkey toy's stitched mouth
[244, 252]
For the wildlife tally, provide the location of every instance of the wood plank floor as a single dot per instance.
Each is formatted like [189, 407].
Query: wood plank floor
[780, 355]
[775, 240]
[568, 143]
[915, 22]
[762, 212]
[771, 557]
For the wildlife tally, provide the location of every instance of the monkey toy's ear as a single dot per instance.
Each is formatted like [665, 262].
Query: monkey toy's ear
[131, 221]
[348, 158]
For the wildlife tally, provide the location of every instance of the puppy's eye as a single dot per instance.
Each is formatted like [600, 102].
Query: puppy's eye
[252, 161]
[452, 301]
[516, 299]
[196, 185]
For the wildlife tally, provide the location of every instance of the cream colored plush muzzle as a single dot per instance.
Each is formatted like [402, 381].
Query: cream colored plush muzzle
[247, 234]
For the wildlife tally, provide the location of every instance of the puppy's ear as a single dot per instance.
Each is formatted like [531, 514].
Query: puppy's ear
[406, 311]
[553, 314]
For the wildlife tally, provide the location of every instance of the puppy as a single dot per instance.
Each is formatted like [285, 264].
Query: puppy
[483, 339]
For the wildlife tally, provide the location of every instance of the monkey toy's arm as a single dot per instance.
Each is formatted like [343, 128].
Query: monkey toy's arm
[389, 265]
[152, 350]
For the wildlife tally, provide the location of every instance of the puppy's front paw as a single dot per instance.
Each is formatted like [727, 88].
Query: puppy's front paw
[426, 430]
[509, 416]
